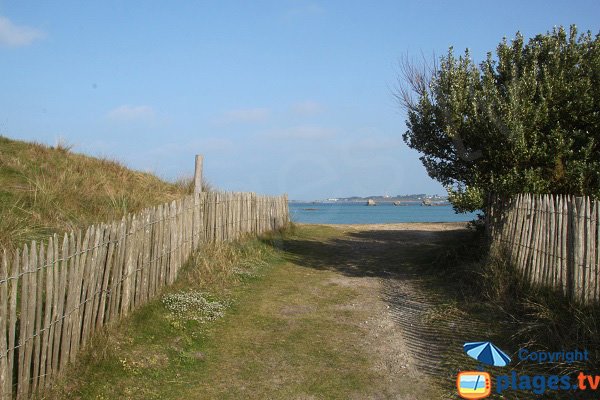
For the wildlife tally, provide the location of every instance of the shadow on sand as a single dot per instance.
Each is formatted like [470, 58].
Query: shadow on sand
[413, 268]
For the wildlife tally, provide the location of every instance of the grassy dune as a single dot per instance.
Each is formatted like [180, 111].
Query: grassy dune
[45, 189]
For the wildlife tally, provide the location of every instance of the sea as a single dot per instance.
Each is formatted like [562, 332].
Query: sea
[360, 213]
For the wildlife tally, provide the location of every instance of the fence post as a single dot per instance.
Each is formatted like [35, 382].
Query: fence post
[198, 174]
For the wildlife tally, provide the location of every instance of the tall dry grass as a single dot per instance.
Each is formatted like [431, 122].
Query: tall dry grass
[46, 189]
[544, 318]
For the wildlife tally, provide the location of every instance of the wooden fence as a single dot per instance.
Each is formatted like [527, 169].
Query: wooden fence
[55, 295]
[554, 240]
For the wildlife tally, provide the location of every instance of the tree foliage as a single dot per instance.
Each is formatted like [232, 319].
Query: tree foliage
[524, 120]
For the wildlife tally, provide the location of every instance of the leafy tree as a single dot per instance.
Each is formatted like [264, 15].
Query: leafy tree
[526, 120]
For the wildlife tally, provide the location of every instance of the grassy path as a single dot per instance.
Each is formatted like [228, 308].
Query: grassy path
[314, 317]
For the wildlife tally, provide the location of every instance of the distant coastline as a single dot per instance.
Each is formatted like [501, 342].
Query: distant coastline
[357, 212]
[383, 199]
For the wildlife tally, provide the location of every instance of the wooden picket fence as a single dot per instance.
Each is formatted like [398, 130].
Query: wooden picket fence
[554, 240]
[55, 295]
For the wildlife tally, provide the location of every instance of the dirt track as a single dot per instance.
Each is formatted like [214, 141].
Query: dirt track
[383, 261]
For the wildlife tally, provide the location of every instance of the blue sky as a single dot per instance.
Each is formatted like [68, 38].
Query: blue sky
[279, 96]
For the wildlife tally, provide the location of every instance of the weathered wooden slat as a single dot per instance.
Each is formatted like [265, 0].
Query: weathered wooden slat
[196, 226]
[571, 259]
[140, 267]
[139, 237]
[552, 245]
[213, 206]
[101, 276]
[589, 232]
[187, 219]
[174, 243]
[23, 323]
[81, 261]
[534, 241]
[36, 353]
[137, 262]
[128, 267]
[206, 215]
[48, 304]
[16, 269]
[28, 338]
[5, 373]
[230, 221]
[158, 248]
[219, 216]
[107, 266]
[146, 258]
[89, 283]
[558, 241]
[523, 212]
[180, 238]
[163, 255]
[61, 328]
[526, 243]
[44, 328]
[152, 256]
[566, 229]
[579, 248]
[546, 240]
[117, 274]
[96, 278]
[55, 318]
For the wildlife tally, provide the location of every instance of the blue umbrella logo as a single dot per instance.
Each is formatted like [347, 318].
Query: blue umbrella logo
[487, 353]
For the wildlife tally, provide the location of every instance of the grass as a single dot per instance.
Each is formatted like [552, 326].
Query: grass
[546, 319]
[501, 307]
[278, 334]
[45, 190]
[151, 352]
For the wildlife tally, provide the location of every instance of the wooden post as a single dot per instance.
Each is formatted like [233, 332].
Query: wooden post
[198, 174]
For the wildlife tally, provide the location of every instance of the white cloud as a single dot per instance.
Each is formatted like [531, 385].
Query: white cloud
[302, 133]
[244, 116]
[306, 108]
[128, 113]
[12, 35]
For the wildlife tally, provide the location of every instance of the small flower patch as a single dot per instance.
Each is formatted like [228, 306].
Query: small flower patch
[194, 305]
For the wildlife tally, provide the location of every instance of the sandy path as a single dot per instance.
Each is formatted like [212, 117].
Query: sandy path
[383, 261]
[405, 226]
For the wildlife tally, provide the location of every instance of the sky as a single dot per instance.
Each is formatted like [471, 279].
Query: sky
[286, 96]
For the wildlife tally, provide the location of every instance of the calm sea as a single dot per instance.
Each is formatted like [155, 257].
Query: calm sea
[359, 213]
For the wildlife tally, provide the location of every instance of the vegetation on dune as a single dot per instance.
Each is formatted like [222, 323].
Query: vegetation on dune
[526, 120]
[45, 190]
